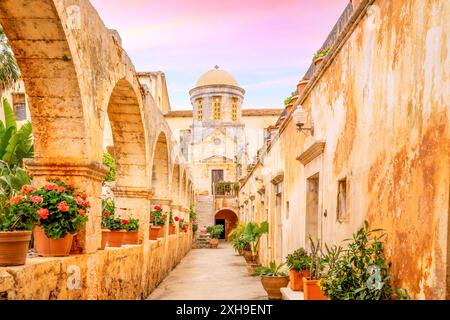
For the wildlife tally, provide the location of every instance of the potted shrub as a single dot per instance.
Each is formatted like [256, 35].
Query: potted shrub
[273, 278]
[349, 272]
[214, 234]
[157, 222]
[131, 227]
[311, 284]
[298, 263]
[108, 208]
[252, 233]
[320, 55]
[61, 213]
[172, 228]
[116, 226]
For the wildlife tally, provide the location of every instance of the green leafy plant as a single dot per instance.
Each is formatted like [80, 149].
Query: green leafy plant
[9, 71]
[59, 207]
[360, 271]
[15, 144]
[157, 217]
[321, 53]
[12, 179]
[287, 101]
[215, 231]
[130, 224]
[298, 260]
[253, 232]
[240, 244]
[109, 161]
[272, 270]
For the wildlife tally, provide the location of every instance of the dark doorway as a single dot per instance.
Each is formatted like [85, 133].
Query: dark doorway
[222, 222]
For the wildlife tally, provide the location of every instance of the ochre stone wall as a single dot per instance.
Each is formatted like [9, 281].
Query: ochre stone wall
[380, 103]
[114, 273]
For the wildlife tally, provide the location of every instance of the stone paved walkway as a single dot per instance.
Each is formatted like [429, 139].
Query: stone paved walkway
[210, 274]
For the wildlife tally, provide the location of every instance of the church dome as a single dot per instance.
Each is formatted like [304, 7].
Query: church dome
[216, 77]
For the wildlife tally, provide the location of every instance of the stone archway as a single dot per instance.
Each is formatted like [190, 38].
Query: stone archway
[230, 219]
[160, 168]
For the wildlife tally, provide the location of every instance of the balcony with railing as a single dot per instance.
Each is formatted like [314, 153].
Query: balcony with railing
[225, 189]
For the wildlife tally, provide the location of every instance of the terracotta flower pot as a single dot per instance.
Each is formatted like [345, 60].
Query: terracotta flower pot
[319, 60]
[114, 238]
[312, 291]
[153, 232]
[131, 237]
[251, 267]
[162, 232]
[249, 257]
[172, 228]
[47, 247]
[104, 238]
[272, 285]
[302, 85]
[214, 242]
[14, 247]
[296, 279]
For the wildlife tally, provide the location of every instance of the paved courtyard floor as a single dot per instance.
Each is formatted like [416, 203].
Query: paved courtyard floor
[210, 274]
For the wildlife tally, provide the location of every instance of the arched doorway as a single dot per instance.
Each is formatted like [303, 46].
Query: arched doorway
[228, 218]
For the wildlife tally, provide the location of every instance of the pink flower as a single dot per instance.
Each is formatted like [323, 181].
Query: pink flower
[79, 201]
[43, 213]
[26, 189]
[63, 207]
[36, 199]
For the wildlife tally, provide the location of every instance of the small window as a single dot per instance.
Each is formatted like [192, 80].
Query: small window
[217, 108]
[199, 109]
[20, 107]
[234, 109]
[342, 201]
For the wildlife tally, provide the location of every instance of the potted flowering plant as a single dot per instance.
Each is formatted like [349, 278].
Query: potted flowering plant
[116, 227]
[172, 228]
[320, 55]
[61, 213]
[15, 230]
[298, 263]
[157, 222]
[131, 227]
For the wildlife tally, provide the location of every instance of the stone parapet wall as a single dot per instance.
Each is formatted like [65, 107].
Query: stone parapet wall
[130, 272]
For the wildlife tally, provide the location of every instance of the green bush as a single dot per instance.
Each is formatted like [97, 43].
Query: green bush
[272, 270]
[109, 161]
[298, 260]
[215, 231]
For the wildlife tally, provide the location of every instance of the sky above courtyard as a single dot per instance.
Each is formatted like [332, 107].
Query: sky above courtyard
[267, 45]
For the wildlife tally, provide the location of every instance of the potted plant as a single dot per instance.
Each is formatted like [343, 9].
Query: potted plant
[298, 263]
[320, 55]
[302, 85]
[252, 233]
[273, 278]
[214, 234]
[311, 284]
[108, 208]
[61, 213]
[131, 227]
[117, 229]
[172, 228]
[157, 222]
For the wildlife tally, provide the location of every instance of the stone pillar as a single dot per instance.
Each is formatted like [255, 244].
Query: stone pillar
[134, 202]
[88, 177]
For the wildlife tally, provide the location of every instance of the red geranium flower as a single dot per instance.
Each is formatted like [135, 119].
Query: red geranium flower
[84, 195]
[15, 199]
[43, 213]
[124, 221]
[176, 218]
[81, 211]
[36, 199]
[79, 201]
[105, 213]
[61, 189]
[157, 208]
[87, 204]
[26, 189]
[63, 207]
[152, 218]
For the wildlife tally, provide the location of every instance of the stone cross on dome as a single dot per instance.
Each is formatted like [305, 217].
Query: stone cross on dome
[216, 67]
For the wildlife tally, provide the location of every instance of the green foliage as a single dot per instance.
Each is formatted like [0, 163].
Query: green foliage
[12, 179]
[192, 213]
[253, 232]
[360, 271]
[157, 217]
[287, 101]
[298, 260]
[109, 161]
[317, 262]
[15, 144]
[58, 207]
[240, 244]
[236, 237]
[215, 231]
[272, 270]
[9, 71]
[321, 53]
[131, 224]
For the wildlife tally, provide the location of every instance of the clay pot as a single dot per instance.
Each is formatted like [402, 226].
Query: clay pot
[153, 232]
[114, 238]
[104, 237]
[172, 228]
[296, 279]
[319, 61]
[162, 232]
[14, 247]
[249, 257]
[47, 247]
[241, 252]
[312, 291]
[251, 267]
[272, 285]
[214, 242]
[131, 237]
[302, 85]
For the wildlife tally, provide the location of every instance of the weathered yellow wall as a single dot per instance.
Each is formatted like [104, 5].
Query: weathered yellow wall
[114, 273]
[382, 107]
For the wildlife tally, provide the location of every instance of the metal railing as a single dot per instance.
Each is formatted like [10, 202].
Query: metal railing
[225, 188]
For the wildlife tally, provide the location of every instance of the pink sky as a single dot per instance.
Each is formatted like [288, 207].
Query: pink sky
[266, 44]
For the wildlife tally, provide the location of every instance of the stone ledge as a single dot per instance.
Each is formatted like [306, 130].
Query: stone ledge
[288, 294]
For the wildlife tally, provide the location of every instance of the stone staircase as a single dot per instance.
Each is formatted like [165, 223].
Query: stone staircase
[204, 205]
[201, 242]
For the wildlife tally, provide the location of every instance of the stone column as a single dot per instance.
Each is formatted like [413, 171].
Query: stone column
[134, 202]
[88, 177]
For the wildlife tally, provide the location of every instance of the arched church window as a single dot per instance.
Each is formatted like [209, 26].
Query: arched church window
[234, 109]
[199, 109]
[217, 108]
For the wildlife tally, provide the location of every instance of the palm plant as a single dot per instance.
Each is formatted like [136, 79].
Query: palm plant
[12, 179]
[9, 71]
[273, 270]
[253, 232]
[15, 144]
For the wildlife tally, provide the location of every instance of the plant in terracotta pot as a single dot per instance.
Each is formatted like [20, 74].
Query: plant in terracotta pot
[157, 222]
[311, 284]
[108, 209]
[172, 219]
[214, 234]
[273, 278]
[301, 85]
[320, 55]
[131, 226]
[252, 233]
[117, 230]
[61, 213]
[298, 263]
